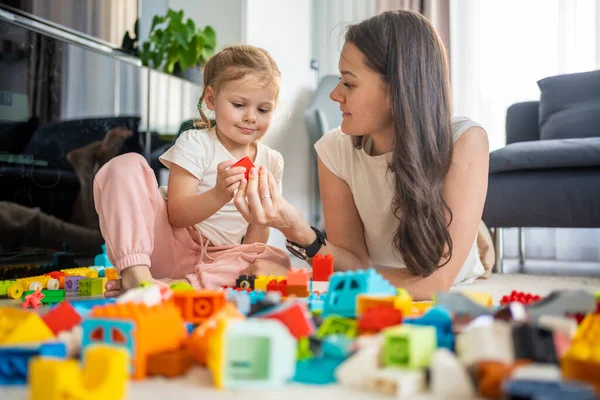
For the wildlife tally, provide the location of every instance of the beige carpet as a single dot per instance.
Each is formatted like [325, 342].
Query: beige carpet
[500, 285]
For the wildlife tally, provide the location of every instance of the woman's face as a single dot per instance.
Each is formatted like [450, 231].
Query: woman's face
[362, 95]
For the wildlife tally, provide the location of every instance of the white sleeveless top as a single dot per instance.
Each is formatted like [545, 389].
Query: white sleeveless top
[373, 189]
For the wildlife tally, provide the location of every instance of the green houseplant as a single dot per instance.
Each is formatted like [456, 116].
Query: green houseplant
[175, 46]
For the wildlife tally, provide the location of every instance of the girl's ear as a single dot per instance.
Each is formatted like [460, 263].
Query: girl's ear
[210, 98]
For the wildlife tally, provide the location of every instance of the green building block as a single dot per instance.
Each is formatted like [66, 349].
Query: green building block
[181, 287]
[91, 286]
[408, 346]
[336, 325]
[304, 352]
[50, 296]
[4, 286]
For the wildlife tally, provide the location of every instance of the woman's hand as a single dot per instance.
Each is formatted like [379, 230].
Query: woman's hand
[228, 180]
[260, 202]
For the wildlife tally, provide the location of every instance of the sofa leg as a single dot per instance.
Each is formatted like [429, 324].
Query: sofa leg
[499, 249]
[521, 247]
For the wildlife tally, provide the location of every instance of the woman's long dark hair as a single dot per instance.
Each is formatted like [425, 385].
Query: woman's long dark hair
[404, 48]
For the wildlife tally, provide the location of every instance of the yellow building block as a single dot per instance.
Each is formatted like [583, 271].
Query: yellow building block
[485, 299]
[104, 375]
[260, 283]
[366, 301]
[21, 326]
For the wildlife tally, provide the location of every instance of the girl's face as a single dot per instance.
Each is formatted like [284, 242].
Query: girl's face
[243, 109]
[363, 96]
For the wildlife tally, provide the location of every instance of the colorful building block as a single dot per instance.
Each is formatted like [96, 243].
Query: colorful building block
[294, 315]
[102, 258]
[320, 369]
[4, 285]
[21, 326]
[252, 353]
[322, 267]
[241, 300]
[139, 329]
[377, 318]
[345, 287]
[111, 273]
[14, 361]
[486, 342]
[50, 296]
[408, 346]
[336, 325]
[63, 317]
[92, 286]
[582, 360]
[245, 162]
[170, 363]
[441, 320]
[33, 300]
[103, 376]
[366, 301]
[277, 286]
[72, 282]
[297, 277]
[260, 283]
[198, 306]
[245, 282]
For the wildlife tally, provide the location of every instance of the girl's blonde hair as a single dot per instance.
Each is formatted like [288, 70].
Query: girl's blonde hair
[233, 63]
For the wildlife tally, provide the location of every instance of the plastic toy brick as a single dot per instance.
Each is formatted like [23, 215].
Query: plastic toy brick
[378, 318]
[441, 320]
[198, 306]
[275, 286]
[256, 296]
[490, 375]
[366, 301]
[21, 326]
[547, 390]
[85, 272]
[170, 363]
[181, 287]
[322, 267]
[53, 284]
[247, 163]
[63, 317]
[139, 329]
[315, 302]
[14, 361]
[271, 299]
[252, 353]
[72, 282]
[534, 343]
[240, 299]
[103, 376]
[336, 325]
[485, 299]
[197, 343]
[344, 288]
[320, 370]
[486, 342]
[4, 285]
[111, 273]
[91, 286]
[245, 282]
[459, 304]
[294, 315]
[33, 300]
[298, 277]
[408, 346]
[50, 296]
[102, 259]
[298, 291]
[563, 302]
[304, 352]
[582, 360]
[260, 283]
[519, 297]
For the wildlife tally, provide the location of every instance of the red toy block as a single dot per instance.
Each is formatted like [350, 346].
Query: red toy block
[519, 297]
[33, 300]
[322, 268]
[296, 317]
[63, 317]
[247, 163]
[377, 318]
[297, 277]
[274, 286]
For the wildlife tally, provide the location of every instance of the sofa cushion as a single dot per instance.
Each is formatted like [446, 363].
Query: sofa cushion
[546, 154]
[14, 136]
[570, 106]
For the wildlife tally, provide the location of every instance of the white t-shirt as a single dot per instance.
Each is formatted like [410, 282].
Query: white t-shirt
[199, 152]
[373, 189]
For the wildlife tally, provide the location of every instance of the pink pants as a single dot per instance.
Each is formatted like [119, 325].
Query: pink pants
[136, 228]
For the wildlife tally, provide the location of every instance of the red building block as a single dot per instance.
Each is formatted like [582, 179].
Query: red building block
[63, 317]
[274, 286]
[247, 163]
[322, 268]
[377, 318]
[295, 316]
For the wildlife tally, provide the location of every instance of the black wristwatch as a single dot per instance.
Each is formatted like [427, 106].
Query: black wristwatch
[304, 253]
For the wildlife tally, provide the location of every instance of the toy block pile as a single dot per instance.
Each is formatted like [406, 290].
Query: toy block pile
[268, 331]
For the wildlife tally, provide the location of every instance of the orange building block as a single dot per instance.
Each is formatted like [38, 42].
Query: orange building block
[198, 306]
[170, 363]
[111, 273]
[582, 360]
[366, 301]
[297, 277]
[158, 328]
[491, 374]
[197, 343]
[298, 291]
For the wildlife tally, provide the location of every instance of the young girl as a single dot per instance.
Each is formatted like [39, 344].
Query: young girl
[191, 229]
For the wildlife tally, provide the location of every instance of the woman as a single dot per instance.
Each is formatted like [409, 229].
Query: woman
[402, 183]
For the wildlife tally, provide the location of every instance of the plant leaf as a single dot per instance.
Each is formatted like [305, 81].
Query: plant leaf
[211, 36]
[155, 21]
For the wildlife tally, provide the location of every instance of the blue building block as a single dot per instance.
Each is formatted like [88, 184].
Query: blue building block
[14, 361]
[315, 302]
[102, 258]
[441, 320]
[319, 370]
[113, 332]
[256, 296]
[240, 299]
[548, 390]
[344, 287]
[100, 269]
[83, 307]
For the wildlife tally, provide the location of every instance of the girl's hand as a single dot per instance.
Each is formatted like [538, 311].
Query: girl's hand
[228, 180]
[260, 202]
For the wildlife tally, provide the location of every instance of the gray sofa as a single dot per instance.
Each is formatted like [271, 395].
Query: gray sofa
[548, 174]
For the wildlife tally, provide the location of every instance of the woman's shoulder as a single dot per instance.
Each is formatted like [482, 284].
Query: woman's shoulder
[336, 139]
[460, 125]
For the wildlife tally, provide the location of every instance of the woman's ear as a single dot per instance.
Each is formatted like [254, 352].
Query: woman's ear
[210, 98]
